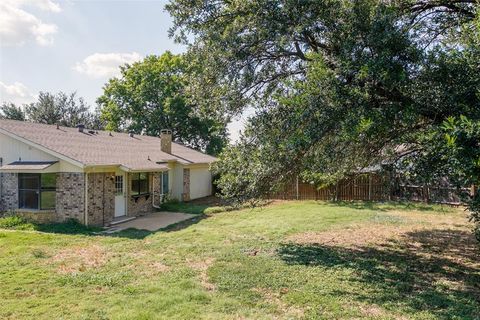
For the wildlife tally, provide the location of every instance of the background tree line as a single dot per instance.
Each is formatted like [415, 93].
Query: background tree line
[60, 108]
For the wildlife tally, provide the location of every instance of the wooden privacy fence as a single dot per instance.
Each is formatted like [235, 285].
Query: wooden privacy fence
[372, 187]
[434, 194]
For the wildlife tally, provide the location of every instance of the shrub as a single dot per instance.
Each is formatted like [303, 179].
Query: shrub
[213, 210]
[16, 223]
[70, 226]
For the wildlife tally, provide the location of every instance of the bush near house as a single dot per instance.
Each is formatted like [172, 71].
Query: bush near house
[14, 222]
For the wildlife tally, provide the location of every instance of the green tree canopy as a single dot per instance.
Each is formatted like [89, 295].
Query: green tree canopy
[149, 96]
[330, 79]
[9, 110]
[64, 109]
[338, 85]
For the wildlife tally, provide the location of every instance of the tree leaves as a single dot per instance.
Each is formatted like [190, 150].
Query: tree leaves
[150, 96]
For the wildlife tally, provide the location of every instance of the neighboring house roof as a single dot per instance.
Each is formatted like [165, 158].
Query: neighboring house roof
[102, 148]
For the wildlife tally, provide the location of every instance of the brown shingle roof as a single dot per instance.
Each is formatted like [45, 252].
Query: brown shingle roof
[103, 148]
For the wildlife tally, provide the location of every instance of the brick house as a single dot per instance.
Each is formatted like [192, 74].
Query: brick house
[54, 173]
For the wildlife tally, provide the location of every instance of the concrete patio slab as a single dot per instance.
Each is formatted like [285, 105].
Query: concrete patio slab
[153, 221]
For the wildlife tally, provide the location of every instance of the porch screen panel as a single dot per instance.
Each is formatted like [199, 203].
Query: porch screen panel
[165, 182]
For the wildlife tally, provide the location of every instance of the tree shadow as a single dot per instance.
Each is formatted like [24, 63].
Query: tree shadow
[434, 270]
[390, 205]
[133, 233]
[73, 227]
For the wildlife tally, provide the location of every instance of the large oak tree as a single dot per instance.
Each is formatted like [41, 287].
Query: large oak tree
[337, 85]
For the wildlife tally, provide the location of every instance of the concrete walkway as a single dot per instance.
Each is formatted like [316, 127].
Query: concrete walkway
[153, 221]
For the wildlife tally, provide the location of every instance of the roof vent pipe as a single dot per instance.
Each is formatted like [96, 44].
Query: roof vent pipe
[166, 140]
[81, 127]
[130, 134]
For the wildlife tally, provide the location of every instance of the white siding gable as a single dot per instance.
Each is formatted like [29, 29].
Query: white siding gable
[12, 150]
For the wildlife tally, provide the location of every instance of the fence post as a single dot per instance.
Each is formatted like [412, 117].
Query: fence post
[426, 194]
[297, 187]
[369, 187]
[473, 191]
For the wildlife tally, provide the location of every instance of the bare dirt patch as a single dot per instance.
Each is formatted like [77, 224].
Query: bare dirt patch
[79, 259]
[202, 266]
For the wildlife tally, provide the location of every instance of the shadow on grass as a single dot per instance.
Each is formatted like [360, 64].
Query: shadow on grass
[386, 206]
[132, 233]
[434, 270]
[73, 227]
[69, 227]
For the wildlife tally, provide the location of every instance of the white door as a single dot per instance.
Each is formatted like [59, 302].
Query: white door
[119, 195]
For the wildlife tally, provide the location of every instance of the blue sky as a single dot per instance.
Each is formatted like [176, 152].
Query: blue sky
[49, 45]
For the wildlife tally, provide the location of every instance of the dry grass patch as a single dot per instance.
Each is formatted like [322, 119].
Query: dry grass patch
[383, 228]
[201, 266]
[79, 259]
[287, 311]
[146, 263]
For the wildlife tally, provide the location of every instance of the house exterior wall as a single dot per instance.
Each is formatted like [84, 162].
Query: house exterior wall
[177, 181]
[186, 184]
[200, 183]
[8, 191]
[101, 198]
[12, 150]
[70, 196]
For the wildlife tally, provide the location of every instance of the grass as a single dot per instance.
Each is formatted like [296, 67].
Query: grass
[209, 205]
[290, 260]
[185, 207]
[68, 227]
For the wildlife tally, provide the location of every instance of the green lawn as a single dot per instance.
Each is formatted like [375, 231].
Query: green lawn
[286, 261]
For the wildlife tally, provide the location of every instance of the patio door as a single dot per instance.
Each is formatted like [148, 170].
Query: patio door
[120, 190]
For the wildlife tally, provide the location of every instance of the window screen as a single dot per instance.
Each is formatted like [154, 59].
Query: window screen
[37, 191]
[139, 183]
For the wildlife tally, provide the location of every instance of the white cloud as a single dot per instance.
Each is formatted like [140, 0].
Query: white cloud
[103, 65]
[46, 5]
[17, 93]
[18, 26]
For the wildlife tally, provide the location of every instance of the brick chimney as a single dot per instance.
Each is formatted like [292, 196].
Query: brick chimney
[166, 140]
